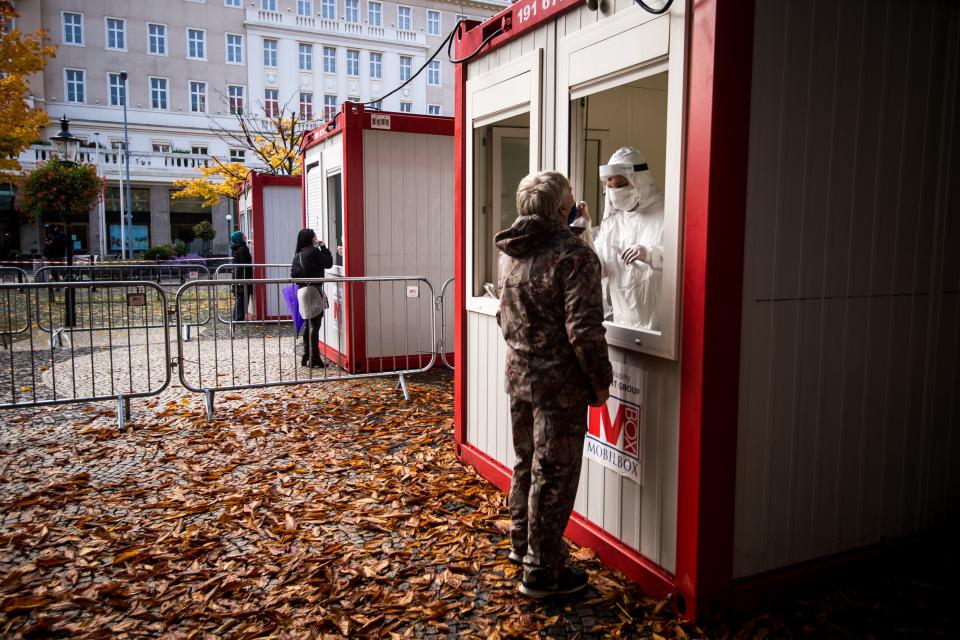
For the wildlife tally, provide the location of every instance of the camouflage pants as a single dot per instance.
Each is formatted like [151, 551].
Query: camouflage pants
[548, 443]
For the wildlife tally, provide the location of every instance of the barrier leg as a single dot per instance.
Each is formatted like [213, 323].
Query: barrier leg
[123, 412]
[402, 384]
[208, 402]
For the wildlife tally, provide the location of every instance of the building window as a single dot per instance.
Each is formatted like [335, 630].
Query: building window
[157, 39]
[271, 103]
[198, 151]
[235, 99]
[403, 18]
[196, 44]
[161, 147]
[158, 93]
[376, 104]
[433, 109]
[235, 48]
[238, 155]
[353, 63]
[305, 7]
[306, 57]
[375, 14]
[376, 65]
[118, 145]
[73, 29]
[433, 23]
[269, 52]
[75, 85]
[351, 10]
[328, 9]
[329, 107]
[268, 5]
[460, 17]
[433, 74]
[116, 33]
[198, 97]
[117, 90]
[329, 60]
[232, 3]
[406, 107]
[306, 105]
[405, 64]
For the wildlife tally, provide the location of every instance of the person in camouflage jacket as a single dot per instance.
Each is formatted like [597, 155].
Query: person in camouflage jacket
[551, 315]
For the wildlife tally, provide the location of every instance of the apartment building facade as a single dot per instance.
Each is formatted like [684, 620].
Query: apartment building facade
[189, 65]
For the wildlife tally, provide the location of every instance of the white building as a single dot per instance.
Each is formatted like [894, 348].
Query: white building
[189, 62]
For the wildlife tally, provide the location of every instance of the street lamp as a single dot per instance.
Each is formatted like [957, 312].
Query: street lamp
[126, 153]
[68, 146]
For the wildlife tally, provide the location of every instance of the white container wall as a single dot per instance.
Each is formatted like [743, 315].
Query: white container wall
[848, 419]
[408, 230]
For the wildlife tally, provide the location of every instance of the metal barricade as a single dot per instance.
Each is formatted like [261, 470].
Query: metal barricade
[373, 327]
[269, 309]
[442, 323]
[16, 320]
[123, 353]
[169, 277]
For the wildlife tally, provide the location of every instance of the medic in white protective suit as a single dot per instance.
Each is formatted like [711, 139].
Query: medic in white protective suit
[630, 240]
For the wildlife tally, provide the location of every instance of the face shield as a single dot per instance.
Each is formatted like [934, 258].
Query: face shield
[640, 190]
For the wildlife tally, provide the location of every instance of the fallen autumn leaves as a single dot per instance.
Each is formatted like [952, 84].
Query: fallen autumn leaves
[313, 512]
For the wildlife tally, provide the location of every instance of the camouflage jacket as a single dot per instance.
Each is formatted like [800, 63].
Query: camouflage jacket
[551, 313]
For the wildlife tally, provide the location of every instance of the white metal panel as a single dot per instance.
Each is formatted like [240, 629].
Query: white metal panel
[281, 222]
[408, 202]
[849, 357]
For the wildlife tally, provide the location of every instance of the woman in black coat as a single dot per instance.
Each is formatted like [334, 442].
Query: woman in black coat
[309, 260]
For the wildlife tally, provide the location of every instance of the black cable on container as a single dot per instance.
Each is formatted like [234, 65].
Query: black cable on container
[473, 55]
[656, 12]
[449, 38]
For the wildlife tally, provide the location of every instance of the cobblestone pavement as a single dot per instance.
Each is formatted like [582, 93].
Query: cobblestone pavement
[304, 512]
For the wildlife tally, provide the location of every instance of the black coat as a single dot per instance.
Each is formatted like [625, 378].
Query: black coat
[311, 262]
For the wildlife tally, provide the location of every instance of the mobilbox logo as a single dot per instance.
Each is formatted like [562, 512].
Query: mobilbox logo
[613, 435]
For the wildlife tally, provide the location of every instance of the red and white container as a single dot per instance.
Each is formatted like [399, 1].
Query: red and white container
[269, 215]
[380, 185]
[798, 406]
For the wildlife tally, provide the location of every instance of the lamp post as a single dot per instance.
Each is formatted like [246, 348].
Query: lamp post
[68, 145]
[126, 153]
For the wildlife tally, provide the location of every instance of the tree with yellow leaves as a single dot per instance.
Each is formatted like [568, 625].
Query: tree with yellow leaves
[21, 54]
[274, 140]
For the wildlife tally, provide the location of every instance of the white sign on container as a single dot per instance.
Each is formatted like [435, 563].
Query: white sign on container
[379, 121]
[614, 430]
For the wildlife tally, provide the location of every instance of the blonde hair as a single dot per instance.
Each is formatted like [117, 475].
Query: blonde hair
[541, 193]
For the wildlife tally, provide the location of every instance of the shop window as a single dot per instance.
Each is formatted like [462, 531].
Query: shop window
[501, 159]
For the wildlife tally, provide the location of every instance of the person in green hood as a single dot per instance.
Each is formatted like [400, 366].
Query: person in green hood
[241, 256]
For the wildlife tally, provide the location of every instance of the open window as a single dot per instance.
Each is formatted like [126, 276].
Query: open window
[334, 216]
[503, 109]
[620, 84]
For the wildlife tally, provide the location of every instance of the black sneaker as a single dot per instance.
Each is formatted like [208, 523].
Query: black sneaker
[571, 581]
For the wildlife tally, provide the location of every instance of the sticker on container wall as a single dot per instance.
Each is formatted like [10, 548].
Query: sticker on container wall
[379, 121]
[614, 431]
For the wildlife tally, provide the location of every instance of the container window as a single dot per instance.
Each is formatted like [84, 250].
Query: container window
[335, 216]
[626, 199]
[501, 159]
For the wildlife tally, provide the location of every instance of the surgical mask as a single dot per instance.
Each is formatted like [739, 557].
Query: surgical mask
[623, 198]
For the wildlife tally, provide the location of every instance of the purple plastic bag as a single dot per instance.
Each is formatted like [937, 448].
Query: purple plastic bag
[290, 295]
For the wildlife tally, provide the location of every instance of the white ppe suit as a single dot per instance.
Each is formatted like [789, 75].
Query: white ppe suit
[632, 218]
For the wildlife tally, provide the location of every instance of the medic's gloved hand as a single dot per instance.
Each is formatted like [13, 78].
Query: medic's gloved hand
[634, 253]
